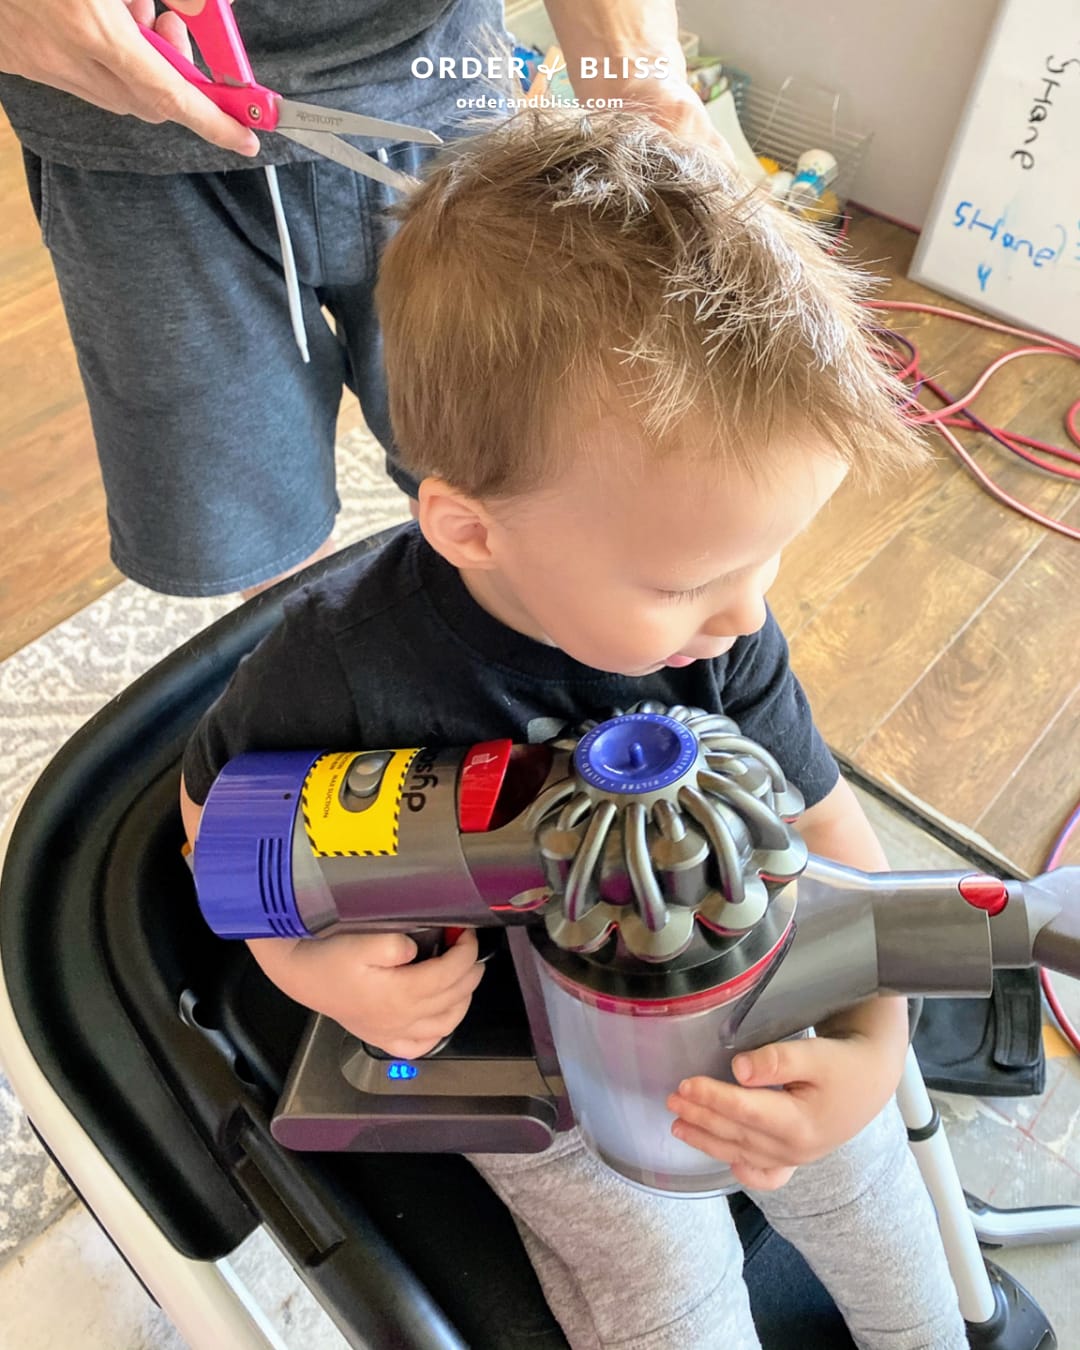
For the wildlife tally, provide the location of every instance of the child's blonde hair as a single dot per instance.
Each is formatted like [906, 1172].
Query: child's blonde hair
[560, 262]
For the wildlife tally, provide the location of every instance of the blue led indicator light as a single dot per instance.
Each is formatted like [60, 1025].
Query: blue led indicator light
[401, 1069]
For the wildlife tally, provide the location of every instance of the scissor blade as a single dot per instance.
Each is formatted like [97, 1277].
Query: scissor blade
[310, 117]
[344, 153]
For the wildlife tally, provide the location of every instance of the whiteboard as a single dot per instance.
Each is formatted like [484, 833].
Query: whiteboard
[1004, 229]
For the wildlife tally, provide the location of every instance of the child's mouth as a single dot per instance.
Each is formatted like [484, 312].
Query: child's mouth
[678, 661]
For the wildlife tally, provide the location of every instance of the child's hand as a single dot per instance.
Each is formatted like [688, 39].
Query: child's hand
[364, 982]
[831, 1086]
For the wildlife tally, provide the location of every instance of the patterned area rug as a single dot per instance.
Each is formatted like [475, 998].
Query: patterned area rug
[54, 685]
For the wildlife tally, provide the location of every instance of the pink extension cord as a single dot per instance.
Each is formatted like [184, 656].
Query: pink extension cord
[903, 355]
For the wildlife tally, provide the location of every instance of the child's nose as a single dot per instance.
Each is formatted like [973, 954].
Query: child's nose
[741, 615]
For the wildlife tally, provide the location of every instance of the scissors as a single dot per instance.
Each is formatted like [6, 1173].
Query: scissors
[233, 88]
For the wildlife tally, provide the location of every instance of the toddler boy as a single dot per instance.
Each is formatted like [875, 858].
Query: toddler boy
[624, 387]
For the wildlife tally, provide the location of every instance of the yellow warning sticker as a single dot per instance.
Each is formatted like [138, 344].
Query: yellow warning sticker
[361, 828]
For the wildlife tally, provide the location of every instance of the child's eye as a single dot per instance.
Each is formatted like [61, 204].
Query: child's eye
[683, 597]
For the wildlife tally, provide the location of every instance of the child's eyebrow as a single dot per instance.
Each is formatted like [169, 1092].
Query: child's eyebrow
[736, 572]
[718, 576]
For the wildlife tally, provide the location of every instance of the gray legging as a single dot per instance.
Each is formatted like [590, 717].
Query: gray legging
[626, 1270]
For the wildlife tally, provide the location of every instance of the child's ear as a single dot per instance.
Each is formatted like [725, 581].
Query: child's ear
[455, 525]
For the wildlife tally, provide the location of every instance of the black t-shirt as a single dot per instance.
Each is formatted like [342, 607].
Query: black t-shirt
[392, 651]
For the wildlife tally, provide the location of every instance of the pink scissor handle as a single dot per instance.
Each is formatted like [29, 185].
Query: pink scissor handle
[250, 103]
[213, 26]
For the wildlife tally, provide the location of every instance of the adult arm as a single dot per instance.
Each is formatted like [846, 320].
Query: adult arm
[647, 29]
[94, 50]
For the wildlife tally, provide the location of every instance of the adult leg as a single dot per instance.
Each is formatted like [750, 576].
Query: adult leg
[367, 201]
[623, 1268]
[323, 551]
[215, 440]
[863, 1220]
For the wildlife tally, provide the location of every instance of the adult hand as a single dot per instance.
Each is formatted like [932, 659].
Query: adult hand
[93, 49]
[612, 35]
[670, 102]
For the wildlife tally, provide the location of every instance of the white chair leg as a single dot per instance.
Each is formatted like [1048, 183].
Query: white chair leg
[932, 1153]
[1031, 1226]
[206, 1301]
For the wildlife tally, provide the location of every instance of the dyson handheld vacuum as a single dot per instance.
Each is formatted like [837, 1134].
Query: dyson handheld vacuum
[658, 913]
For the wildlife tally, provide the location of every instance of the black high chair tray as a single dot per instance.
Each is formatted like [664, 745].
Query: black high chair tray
[170, 1048]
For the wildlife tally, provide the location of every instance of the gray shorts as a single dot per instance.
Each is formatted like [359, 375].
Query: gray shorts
[216, 442]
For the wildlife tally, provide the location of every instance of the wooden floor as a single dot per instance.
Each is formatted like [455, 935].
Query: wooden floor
[936, 632]
[54, 556]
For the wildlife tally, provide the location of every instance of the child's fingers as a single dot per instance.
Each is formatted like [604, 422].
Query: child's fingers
[466, 942]
[383, 950]
[737, 1155]
[779, 1064]
[735, 1111]
[419, 1036]
[433, 1002]
[430, 988]
[730, 1143]
[769, 1126]
[436, 974]
[761, 1178]
[723, 1150]
[719, 1128]
[389, 950]
[374, 970]
[410, 1047]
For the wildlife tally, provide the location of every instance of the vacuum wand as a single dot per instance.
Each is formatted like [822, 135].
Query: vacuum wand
[917, 934]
